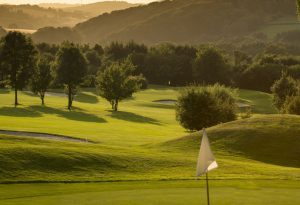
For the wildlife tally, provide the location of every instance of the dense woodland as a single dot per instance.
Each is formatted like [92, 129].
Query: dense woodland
[239, 66]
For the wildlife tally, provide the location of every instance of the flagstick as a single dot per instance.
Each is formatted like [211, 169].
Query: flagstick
[207, 189]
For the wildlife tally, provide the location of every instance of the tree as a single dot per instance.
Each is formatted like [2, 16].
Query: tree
[298, 7]
[204, 106]
[41, 78]
[116, 83]
[282, 89]
[211, 67]
[259, 77]
[71, 67]
[19, 59]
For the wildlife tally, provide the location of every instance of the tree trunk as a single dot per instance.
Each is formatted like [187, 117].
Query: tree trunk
[42, 98]
[112, 102]
[116, 105]
[16, 96]
[69, 97]
[16, 89]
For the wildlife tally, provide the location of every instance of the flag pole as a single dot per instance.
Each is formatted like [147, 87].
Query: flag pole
[207, 189]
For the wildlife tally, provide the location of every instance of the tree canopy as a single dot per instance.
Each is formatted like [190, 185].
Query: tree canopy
[18, 56]
[71, 67]
[42, 77]
[117, 83]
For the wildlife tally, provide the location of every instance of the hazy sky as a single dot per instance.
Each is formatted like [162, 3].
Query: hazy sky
[62, 1]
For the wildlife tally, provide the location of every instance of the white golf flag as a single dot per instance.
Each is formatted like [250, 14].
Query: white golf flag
[206, 159]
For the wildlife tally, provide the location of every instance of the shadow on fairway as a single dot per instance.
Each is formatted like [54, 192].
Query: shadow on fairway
[86, 98]
[4, 91]
[19, 112]
[71, 115]
[31, 94]
[157, 105]
[268, 144]
[132, 117]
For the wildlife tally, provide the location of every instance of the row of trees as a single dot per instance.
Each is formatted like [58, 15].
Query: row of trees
[23, 65]
[167, 64]
[42, 66]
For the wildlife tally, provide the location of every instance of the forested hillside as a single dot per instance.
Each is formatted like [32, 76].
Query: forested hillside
[186, 21]
[35, 17]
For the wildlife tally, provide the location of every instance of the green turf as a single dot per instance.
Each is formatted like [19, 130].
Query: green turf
[261, 103]
[142, 141]
[245, 192]
[258, 157]
[139, 121]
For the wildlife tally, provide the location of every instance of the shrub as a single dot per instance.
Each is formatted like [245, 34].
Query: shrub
[200, 106]
[292, 105]
[282, 89]
[142, 81]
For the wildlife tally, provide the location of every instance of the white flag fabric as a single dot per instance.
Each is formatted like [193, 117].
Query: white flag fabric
[206, 159]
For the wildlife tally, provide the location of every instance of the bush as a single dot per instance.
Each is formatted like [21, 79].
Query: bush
[142, 81]
[282, 89]
[292, 105]
[200, 106]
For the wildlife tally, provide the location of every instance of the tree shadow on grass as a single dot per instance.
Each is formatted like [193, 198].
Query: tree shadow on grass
[19, 112]
[29, 93]
[86, 98]
[4, 91]
[157, 105]
[71, 115]
[132, 117]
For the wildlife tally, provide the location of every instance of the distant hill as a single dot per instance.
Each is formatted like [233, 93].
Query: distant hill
[56, 15]
[96, 9]
[190, 21]
[57, 5]
[186, 21]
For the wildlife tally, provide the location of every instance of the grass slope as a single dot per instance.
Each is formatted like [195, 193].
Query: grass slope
[142, 141]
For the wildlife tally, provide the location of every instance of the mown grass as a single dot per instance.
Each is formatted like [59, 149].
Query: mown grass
[258, 157]
[142, 141]
[136, 123]
[235, 192]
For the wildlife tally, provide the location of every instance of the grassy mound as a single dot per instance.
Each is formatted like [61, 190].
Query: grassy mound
[273, 139]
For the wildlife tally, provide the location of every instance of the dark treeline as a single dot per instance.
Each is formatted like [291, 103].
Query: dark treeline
[253, 65]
